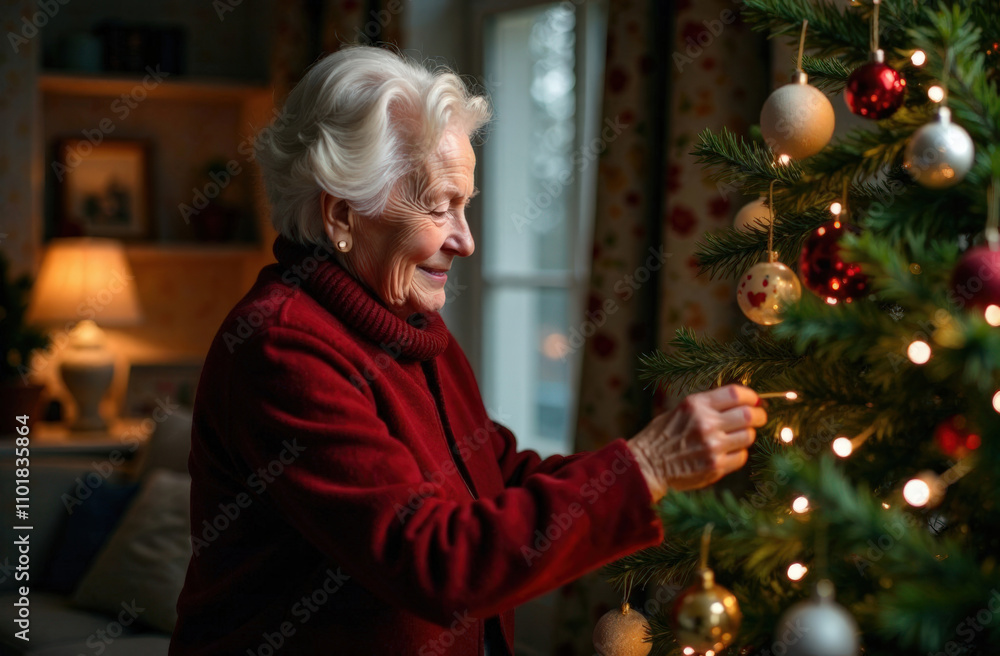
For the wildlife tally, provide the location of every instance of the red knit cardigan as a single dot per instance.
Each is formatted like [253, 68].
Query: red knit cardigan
[350, 495]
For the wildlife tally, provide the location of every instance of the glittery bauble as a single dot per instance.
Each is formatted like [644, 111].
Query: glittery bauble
[976, 278]
[766, 290]
[706, 616]
[754, 214]
[622, 632]
[819, 627]
[956, 438]
[824, 271]
[875, 90]
[797, 120]
[939, 154]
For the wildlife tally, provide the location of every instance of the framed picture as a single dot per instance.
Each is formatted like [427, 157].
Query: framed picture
[160, 385]
[102, 189]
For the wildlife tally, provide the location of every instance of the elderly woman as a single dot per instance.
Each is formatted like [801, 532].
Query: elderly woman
[350, 494]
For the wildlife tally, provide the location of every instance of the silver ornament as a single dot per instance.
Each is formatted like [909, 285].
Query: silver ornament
[819, 627]
[939, 154]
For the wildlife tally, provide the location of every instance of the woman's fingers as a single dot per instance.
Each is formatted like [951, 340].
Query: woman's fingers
[741, 439]
[741, 417]
[730, 396]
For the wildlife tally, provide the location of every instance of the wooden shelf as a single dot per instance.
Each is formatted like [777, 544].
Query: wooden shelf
[185, 89]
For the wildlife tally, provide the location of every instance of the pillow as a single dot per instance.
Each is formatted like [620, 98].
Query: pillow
[87, 528]
[147, 557]
[170, 443]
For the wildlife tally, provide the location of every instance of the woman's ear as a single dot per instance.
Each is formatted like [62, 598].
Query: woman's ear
[336, 214]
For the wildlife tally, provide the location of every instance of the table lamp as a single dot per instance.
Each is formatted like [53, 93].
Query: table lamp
[84, 283]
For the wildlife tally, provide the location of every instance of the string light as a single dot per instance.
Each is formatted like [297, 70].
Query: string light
[885, 505]
[800, 505]
[842, 447]
[935, 93]
[787, 434]
[918, 58]
[992, 315]
[784, 160]
[836, 207]
[688, 651]
[919, 352]
[996, 401]
[917, 492]
[796, 571]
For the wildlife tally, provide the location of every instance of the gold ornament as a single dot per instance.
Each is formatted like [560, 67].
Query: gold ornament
[706, 616]
[622, 632]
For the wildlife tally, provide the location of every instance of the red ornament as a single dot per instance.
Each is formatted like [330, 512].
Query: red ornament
[875, 90]
[976, 278]
[824, 271]
[955, 437]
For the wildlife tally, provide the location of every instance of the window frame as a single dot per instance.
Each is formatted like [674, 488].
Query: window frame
[590, 44]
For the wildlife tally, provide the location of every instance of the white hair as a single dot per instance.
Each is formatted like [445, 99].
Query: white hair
[358, 122]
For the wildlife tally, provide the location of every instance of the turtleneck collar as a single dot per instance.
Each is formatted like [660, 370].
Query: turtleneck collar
[421, 337]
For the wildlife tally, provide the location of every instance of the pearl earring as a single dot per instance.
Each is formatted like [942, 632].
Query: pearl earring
[342, 245]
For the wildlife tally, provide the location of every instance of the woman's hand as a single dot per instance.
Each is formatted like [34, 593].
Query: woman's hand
[701, 440]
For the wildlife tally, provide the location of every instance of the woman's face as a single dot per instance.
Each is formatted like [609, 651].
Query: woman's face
[405, 254]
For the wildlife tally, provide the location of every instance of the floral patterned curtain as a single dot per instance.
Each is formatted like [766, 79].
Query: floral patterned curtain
[653, 204]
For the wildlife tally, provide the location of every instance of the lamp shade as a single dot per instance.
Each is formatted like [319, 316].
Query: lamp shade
[85, 278]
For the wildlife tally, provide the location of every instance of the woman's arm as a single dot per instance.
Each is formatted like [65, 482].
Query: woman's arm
[350, 493]
[518, 465]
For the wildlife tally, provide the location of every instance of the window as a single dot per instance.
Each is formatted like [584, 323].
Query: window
[543, 68]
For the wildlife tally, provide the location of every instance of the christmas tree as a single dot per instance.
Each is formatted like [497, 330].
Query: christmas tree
[877, 478]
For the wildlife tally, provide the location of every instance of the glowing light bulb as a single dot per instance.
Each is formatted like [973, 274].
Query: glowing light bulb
[688, 651]
[919, 352]
[791, 396]
[842, 447]
[800, 505]
[918, 58]
[935, 93]
[885, 505]
[784, 160]
[836, 208]
[996, 401]
[917, 492]
[787, 434]
[992, 314]
[796, 571]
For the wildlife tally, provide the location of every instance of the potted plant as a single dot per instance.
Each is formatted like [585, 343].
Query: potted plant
[18, 395]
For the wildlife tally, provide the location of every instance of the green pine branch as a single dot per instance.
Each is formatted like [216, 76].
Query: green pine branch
[698, 362]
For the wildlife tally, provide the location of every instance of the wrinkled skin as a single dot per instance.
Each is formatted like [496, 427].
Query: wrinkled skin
[422, 230]
[698, 442]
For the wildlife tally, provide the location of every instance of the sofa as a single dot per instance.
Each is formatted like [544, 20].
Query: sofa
[108, 548]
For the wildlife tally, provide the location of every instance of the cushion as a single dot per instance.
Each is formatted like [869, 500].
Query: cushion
[54, 624]
[145, 560]
[169, 444]
[88, 526]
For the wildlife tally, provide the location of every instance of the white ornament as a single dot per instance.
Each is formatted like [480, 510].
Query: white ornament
[939, 154]
[797, 119]
[766, 290]
[754, 214]
[819, 627]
